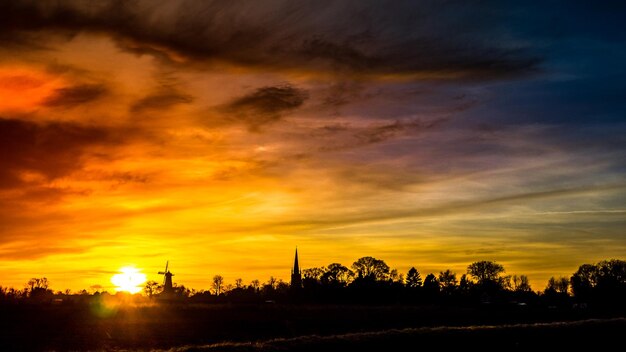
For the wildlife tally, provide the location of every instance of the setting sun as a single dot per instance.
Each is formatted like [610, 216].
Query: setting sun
[129, 280]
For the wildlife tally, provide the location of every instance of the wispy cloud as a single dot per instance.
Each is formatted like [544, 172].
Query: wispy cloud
[446, 209]
[576, 212]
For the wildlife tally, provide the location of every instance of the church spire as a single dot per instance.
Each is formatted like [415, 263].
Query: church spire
[296, 267]
[296, 275]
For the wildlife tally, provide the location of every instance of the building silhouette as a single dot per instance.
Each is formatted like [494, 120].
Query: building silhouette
[168, 288]
[296, 274]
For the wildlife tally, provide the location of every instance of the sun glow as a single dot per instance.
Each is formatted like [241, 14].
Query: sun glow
[129, 280]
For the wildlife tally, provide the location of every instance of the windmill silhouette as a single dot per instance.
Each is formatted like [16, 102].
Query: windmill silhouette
[167, 279]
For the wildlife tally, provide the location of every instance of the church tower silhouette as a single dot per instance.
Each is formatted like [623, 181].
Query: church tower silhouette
[296, 275]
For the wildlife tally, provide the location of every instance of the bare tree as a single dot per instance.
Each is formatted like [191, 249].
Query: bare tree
[38, 287]
[38, 283]
[271, 282]
[218, 281]
[151, 288]
[255, 284]
[521, 283]
[238, 283]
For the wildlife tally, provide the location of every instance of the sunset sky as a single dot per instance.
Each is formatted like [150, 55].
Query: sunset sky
[220, 135]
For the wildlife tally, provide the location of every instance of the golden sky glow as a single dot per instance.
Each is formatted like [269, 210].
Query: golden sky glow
[129, 279]
[126, 147]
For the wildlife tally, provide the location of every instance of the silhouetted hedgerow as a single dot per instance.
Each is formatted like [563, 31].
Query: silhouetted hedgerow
[370, 281]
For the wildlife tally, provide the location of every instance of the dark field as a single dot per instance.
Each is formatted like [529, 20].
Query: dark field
[300, 328]
[558, 336]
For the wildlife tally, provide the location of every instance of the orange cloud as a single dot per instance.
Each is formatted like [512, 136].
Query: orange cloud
[23, 89]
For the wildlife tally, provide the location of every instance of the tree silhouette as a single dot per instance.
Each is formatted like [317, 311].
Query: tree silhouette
[271, 283]
[37, 283]
[151, 288]
[560, 285]
[584, 280]
[255, 284]
[447, 281]
[396, 277]
[371, 268]
[431, 285]
[612, 274]
[336, 275]
[485, 271]
[217, 283]
[38, 288]
[604, 283]
[521, 283]
[182, 291]
[282, 286]
[313, 273]
[464, 284]
[413, 278]
[487, 275]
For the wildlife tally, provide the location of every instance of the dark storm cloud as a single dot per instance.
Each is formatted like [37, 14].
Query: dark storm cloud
[265, 105]
[76, 95]
[449, 39]
[52, 150]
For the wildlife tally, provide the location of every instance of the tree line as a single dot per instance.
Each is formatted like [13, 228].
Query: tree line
[371, 281]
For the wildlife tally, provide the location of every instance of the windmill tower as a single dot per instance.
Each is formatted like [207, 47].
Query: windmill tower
[168, 288]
